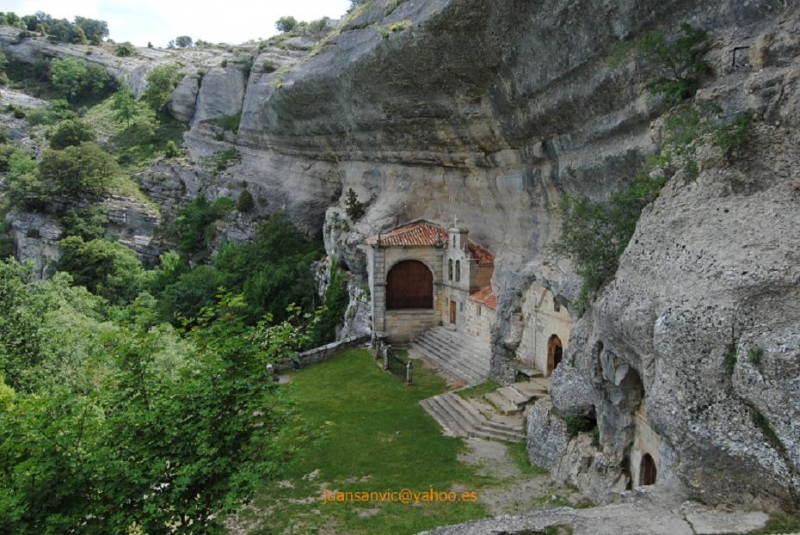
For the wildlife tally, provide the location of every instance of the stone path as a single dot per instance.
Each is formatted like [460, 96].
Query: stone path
[641, 516]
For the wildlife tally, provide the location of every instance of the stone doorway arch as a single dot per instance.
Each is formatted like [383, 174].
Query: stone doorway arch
[409, 285]
[555, 352]
[647, 470]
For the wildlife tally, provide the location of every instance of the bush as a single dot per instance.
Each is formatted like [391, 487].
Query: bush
[183, 41]
[734, 137]
[70, 133]
[245, 203]
[76, 81]
[125, 50]
[595, 234]
[86, 223]
[56, 111]
[172, 150]
[194, 227]
[161, 82]
[85, 168]
[105, 268]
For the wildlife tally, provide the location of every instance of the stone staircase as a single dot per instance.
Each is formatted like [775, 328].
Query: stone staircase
[512, 399]
[498, 416]
[452, 354]
[461, 418]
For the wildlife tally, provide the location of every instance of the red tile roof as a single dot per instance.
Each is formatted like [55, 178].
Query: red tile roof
[423, 233]
[486, 297]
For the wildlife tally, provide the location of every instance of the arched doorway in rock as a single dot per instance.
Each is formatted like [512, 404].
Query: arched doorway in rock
[647, 470]
[409, 284]
[555, 351]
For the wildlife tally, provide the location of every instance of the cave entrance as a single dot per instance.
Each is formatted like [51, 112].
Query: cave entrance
[409, 284]
[555, 351]
[647, 470]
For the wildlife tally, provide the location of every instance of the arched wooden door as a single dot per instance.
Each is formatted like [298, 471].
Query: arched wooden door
[555, 351]
[409, 284]
[647, 470]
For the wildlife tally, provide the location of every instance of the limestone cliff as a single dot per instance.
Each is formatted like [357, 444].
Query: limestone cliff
[491, 111]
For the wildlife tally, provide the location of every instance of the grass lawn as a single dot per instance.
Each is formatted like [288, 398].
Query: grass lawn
[376, 439]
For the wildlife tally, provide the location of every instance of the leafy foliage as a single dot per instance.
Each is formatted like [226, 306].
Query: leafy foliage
[124, 50]
[286, 24]
[680, 60]
[161, 82]
[355, 209]
[87, 223]
[85, 168]
[105, 268]
[594, 234]
[194, 227]
[76, 81]
[734, 137]
[94, 30]
[70, 133]
[336, 300]
[114, 428]
[183, 41]
[245, 202]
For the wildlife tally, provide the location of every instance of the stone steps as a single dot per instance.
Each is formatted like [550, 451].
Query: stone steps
[453, 354]
[459, 418]
[512, 399]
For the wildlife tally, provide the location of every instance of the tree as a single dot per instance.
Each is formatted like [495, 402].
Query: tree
[317, 27]
[70, 133]
[124, 104]
[161, 82]
[87, 223]
[105, 268]
[680, 60]
[286, 24]
[61, 31]
[183, 41]
[75, 80]
[354, 208]
[95, 30]
[85, 168]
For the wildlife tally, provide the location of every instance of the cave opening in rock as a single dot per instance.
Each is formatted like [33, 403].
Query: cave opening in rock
[555, 352]
[647, 470]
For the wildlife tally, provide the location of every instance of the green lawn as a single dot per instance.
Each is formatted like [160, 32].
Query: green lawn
[376, 439]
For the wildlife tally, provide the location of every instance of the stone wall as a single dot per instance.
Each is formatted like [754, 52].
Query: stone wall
[327, 352]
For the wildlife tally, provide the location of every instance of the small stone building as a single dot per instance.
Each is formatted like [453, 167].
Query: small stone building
[422, 275]
[546, 324]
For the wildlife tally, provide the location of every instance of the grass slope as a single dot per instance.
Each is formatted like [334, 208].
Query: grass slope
[376, 438]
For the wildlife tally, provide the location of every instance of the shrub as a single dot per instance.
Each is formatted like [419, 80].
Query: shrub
[183, 41]
[105, 268]
[734, 137]
[85, 168]
[70, 133]
[730, 358]
[595, 234]
[86, 223]
[227, 158]
[161, 82]
[55, 112]
[245, 203]
[125, 50]
[172, 150]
